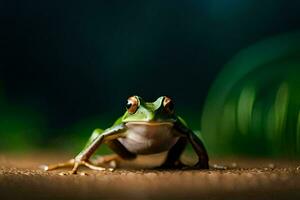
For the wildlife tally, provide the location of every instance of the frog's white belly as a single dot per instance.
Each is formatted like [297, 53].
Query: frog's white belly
[149, 138]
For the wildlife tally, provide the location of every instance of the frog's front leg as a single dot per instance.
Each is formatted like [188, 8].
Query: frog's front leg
[172, 160]
[200, 150]
[95, 141]
[70, 163]
[197, 145]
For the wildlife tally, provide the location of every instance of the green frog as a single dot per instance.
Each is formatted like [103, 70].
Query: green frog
[145, 128]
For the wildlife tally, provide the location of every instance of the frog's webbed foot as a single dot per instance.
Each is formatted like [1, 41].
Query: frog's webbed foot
[200, 165]
[176, 165]
[75, 164]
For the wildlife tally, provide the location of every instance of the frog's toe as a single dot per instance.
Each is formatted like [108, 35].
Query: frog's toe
[113, 161]
[201, 165]
[71, 173]
[95, 167]
[69, 163]
[176, 165]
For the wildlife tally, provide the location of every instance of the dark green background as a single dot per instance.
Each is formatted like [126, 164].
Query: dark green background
[68, 67]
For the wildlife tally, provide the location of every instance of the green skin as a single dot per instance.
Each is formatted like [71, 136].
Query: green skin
[152, 128]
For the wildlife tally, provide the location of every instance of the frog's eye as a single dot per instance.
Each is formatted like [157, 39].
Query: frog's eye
[168, 104]
[132, 104]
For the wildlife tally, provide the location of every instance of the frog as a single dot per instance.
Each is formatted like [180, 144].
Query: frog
[145, 128]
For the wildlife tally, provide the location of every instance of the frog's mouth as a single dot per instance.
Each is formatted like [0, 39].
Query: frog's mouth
[151, 123]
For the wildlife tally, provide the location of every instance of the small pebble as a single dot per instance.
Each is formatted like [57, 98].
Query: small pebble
[44, 167]
[271, 165]
[234, 165]
[83, 174]
[111, 169]
[219, 167]
[63, 173]
[113, 164]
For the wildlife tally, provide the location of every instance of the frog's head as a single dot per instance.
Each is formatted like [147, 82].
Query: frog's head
[161, 110]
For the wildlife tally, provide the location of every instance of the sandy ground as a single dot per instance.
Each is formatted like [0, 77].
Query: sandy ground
[20, 178]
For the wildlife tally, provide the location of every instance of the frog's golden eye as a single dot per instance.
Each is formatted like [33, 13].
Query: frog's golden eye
[168, 104]
[132, 104]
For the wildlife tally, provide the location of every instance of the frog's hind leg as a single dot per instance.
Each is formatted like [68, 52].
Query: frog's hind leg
[114, 160]
[172, 160]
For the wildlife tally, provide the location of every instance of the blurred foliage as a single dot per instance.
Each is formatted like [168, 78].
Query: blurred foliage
[254, 105]
[21, 128]
[73, 138]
